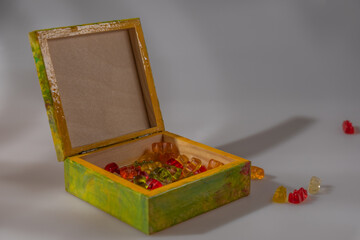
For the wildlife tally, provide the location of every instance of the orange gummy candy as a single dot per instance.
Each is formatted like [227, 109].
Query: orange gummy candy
[257, 173]
[192, 166]
[165, 151]
[128, 172]
[214, 164]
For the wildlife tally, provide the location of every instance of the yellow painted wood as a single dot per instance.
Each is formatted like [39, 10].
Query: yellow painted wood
[152, 211]
[148, 211]
[238, 161]
[45, 68]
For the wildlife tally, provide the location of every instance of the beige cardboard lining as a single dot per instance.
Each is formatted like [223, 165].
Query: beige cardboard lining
[101, 85]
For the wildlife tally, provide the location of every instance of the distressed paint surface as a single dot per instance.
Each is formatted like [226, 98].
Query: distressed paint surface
[112, 197]
[198, 197]
[48, 83]
[151, 213]
[46, 93]
[148, 211]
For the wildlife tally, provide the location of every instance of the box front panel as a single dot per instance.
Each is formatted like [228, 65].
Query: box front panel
[112, 197]
[192, 199]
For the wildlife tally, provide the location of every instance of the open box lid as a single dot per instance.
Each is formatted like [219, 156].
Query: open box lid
[97, 85]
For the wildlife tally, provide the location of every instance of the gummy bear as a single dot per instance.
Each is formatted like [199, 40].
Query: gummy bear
[141, 181]
[142, 173]
[298, 196]
[153, 184]
[147, 157]
[314, 185]
[192, 166]
[128, 172]
[165, 151]
[148, 167]
[175, 163]
[280, 195]
[161, 174]
[257, 173]
[175, 172]
[200, 170]
[348, 127]
[214, 164]
[183, 160]
[111, 167]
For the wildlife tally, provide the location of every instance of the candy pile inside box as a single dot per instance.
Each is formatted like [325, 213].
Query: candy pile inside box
[163, 165]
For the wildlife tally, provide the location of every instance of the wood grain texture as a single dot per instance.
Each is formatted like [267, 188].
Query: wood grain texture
[46, 72]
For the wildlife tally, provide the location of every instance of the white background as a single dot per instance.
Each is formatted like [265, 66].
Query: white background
[270, 81]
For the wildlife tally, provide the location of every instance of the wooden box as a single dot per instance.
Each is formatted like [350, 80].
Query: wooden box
[102, 107]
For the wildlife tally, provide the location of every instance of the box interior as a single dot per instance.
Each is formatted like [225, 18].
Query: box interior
[102, 85]
[128, 153]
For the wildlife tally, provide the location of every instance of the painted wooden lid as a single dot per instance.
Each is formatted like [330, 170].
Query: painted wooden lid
[97, 84]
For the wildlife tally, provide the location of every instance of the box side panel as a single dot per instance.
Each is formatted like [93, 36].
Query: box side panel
[112, 197]
[46, 93]
[180, 204]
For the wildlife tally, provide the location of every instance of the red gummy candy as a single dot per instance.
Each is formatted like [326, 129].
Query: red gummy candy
[174, 162]
[298, 196]
[153, 184]
[348, 127]
[111, 167]
[200, 170]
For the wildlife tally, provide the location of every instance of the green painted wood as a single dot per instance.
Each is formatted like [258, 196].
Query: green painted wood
[46, 93]
[153, 214]
[112, 197]
[190, 200]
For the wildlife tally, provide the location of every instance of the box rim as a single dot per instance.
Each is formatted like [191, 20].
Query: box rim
[169, 187]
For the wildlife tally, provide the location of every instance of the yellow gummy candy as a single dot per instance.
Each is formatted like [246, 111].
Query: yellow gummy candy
[147, 157]
[280, 195]
[314, 185]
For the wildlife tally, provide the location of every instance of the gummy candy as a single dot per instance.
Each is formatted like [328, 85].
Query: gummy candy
[163, 165]
[161, 174]
[147, 157]
[257, 173]
[183, 159]
[192, 166]
[175, 172]
[298, 196]
[175, 163]
[348, 127]
[141, 181]
[214, 164]
[165, 151]
[128, 172]
[111, 167]
[150, 166]
[142, 173]
[153, 184]
[280, 195]
[200, 170]
[314, 185]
